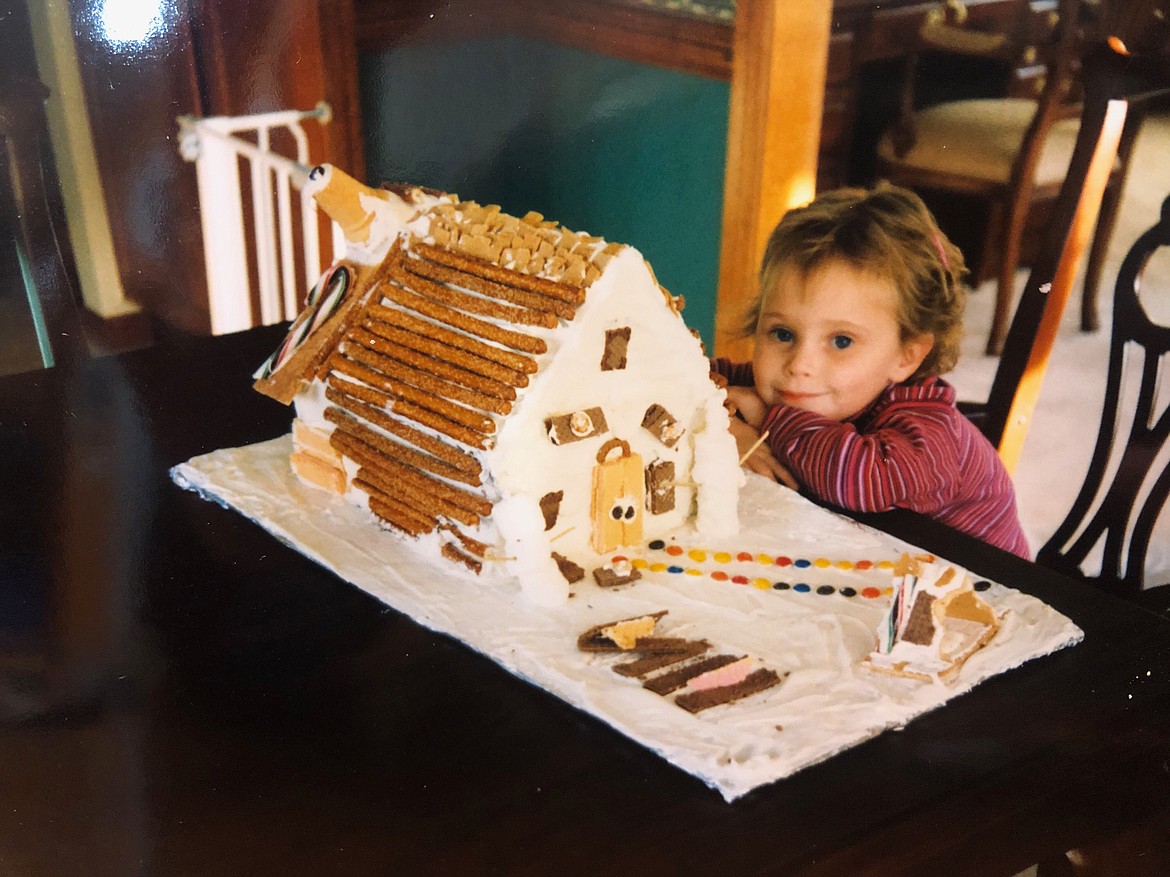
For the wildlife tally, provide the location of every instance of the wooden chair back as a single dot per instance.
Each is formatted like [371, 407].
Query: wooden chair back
[24, 201]
[1125, 489]
[1057, 52]
[1117, 88]
[996, 151]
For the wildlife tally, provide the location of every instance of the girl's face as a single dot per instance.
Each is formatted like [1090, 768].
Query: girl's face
[830, 342]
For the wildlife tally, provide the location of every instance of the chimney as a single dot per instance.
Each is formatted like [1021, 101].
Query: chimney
[346, 201]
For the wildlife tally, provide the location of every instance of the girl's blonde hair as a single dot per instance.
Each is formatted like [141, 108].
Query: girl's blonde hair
[888, 232]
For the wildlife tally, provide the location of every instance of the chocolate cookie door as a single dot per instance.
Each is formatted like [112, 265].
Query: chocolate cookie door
[619, 494]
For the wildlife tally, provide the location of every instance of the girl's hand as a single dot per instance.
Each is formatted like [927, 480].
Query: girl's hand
[761, 460]
[747, 403]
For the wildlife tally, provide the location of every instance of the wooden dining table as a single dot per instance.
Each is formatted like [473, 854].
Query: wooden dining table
[180, 693]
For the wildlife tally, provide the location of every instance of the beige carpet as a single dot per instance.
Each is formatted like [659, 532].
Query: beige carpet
[1064, 429]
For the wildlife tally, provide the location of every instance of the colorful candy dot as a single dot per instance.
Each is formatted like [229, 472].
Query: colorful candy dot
[704, 555]
[618, 558]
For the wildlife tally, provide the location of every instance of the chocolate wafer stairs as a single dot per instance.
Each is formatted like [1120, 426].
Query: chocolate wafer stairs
[689, 670]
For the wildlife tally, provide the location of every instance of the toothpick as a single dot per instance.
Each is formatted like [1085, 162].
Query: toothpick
[496, 557]
[680, 484]
[763, 437]
[560, 534]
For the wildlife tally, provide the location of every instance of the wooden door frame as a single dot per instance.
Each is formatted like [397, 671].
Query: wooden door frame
[778, 70]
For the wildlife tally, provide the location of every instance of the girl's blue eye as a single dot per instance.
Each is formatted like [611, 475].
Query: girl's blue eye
[842, 341]
[782, 334]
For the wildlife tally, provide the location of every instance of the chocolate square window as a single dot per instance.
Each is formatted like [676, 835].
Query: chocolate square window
[662, 425]
[550, 507]
[585, 423]
[616, 342]
[660, 487]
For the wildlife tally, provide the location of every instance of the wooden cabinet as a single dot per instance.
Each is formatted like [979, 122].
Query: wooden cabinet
[837, 120]
[219, 57]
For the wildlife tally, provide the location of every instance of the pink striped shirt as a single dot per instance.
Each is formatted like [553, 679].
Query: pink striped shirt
[910, 449]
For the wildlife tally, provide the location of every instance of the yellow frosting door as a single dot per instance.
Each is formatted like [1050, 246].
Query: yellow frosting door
[619, 494]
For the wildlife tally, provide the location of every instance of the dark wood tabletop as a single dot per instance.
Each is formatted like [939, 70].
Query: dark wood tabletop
[182, 694]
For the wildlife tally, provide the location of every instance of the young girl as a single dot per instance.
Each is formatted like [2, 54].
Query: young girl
[859, 312]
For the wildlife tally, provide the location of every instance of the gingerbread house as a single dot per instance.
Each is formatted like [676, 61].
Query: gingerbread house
[504, 390]
[936, 621]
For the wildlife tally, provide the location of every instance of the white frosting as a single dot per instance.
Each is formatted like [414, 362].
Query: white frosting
[310, 404]
[717, 471]
[664, 365]
[827, 703]
[390, 214]
[520, 524]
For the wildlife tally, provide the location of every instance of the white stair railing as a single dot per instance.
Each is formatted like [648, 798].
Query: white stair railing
[212, 143]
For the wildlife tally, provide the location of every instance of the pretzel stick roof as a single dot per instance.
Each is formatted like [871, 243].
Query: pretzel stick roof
[433, 340]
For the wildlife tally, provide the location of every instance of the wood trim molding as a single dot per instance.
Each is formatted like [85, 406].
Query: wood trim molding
[777, 100]
[665, 39]
[75, 156]
[1100, 166]
[386, 24]
[336, 29]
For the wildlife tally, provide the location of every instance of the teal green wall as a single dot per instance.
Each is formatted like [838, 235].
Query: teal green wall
[626, 151]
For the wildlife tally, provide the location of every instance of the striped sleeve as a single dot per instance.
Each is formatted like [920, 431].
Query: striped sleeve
[909, 460]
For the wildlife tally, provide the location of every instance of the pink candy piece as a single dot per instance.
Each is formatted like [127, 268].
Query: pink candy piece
[721, 677]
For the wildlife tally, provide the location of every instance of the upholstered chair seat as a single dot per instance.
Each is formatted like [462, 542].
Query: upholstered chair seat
[977, 141]
[1006, 153]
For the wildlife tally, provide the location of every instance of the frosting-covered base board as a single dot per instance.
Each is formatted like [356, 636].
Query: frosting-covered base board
[827, 703]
